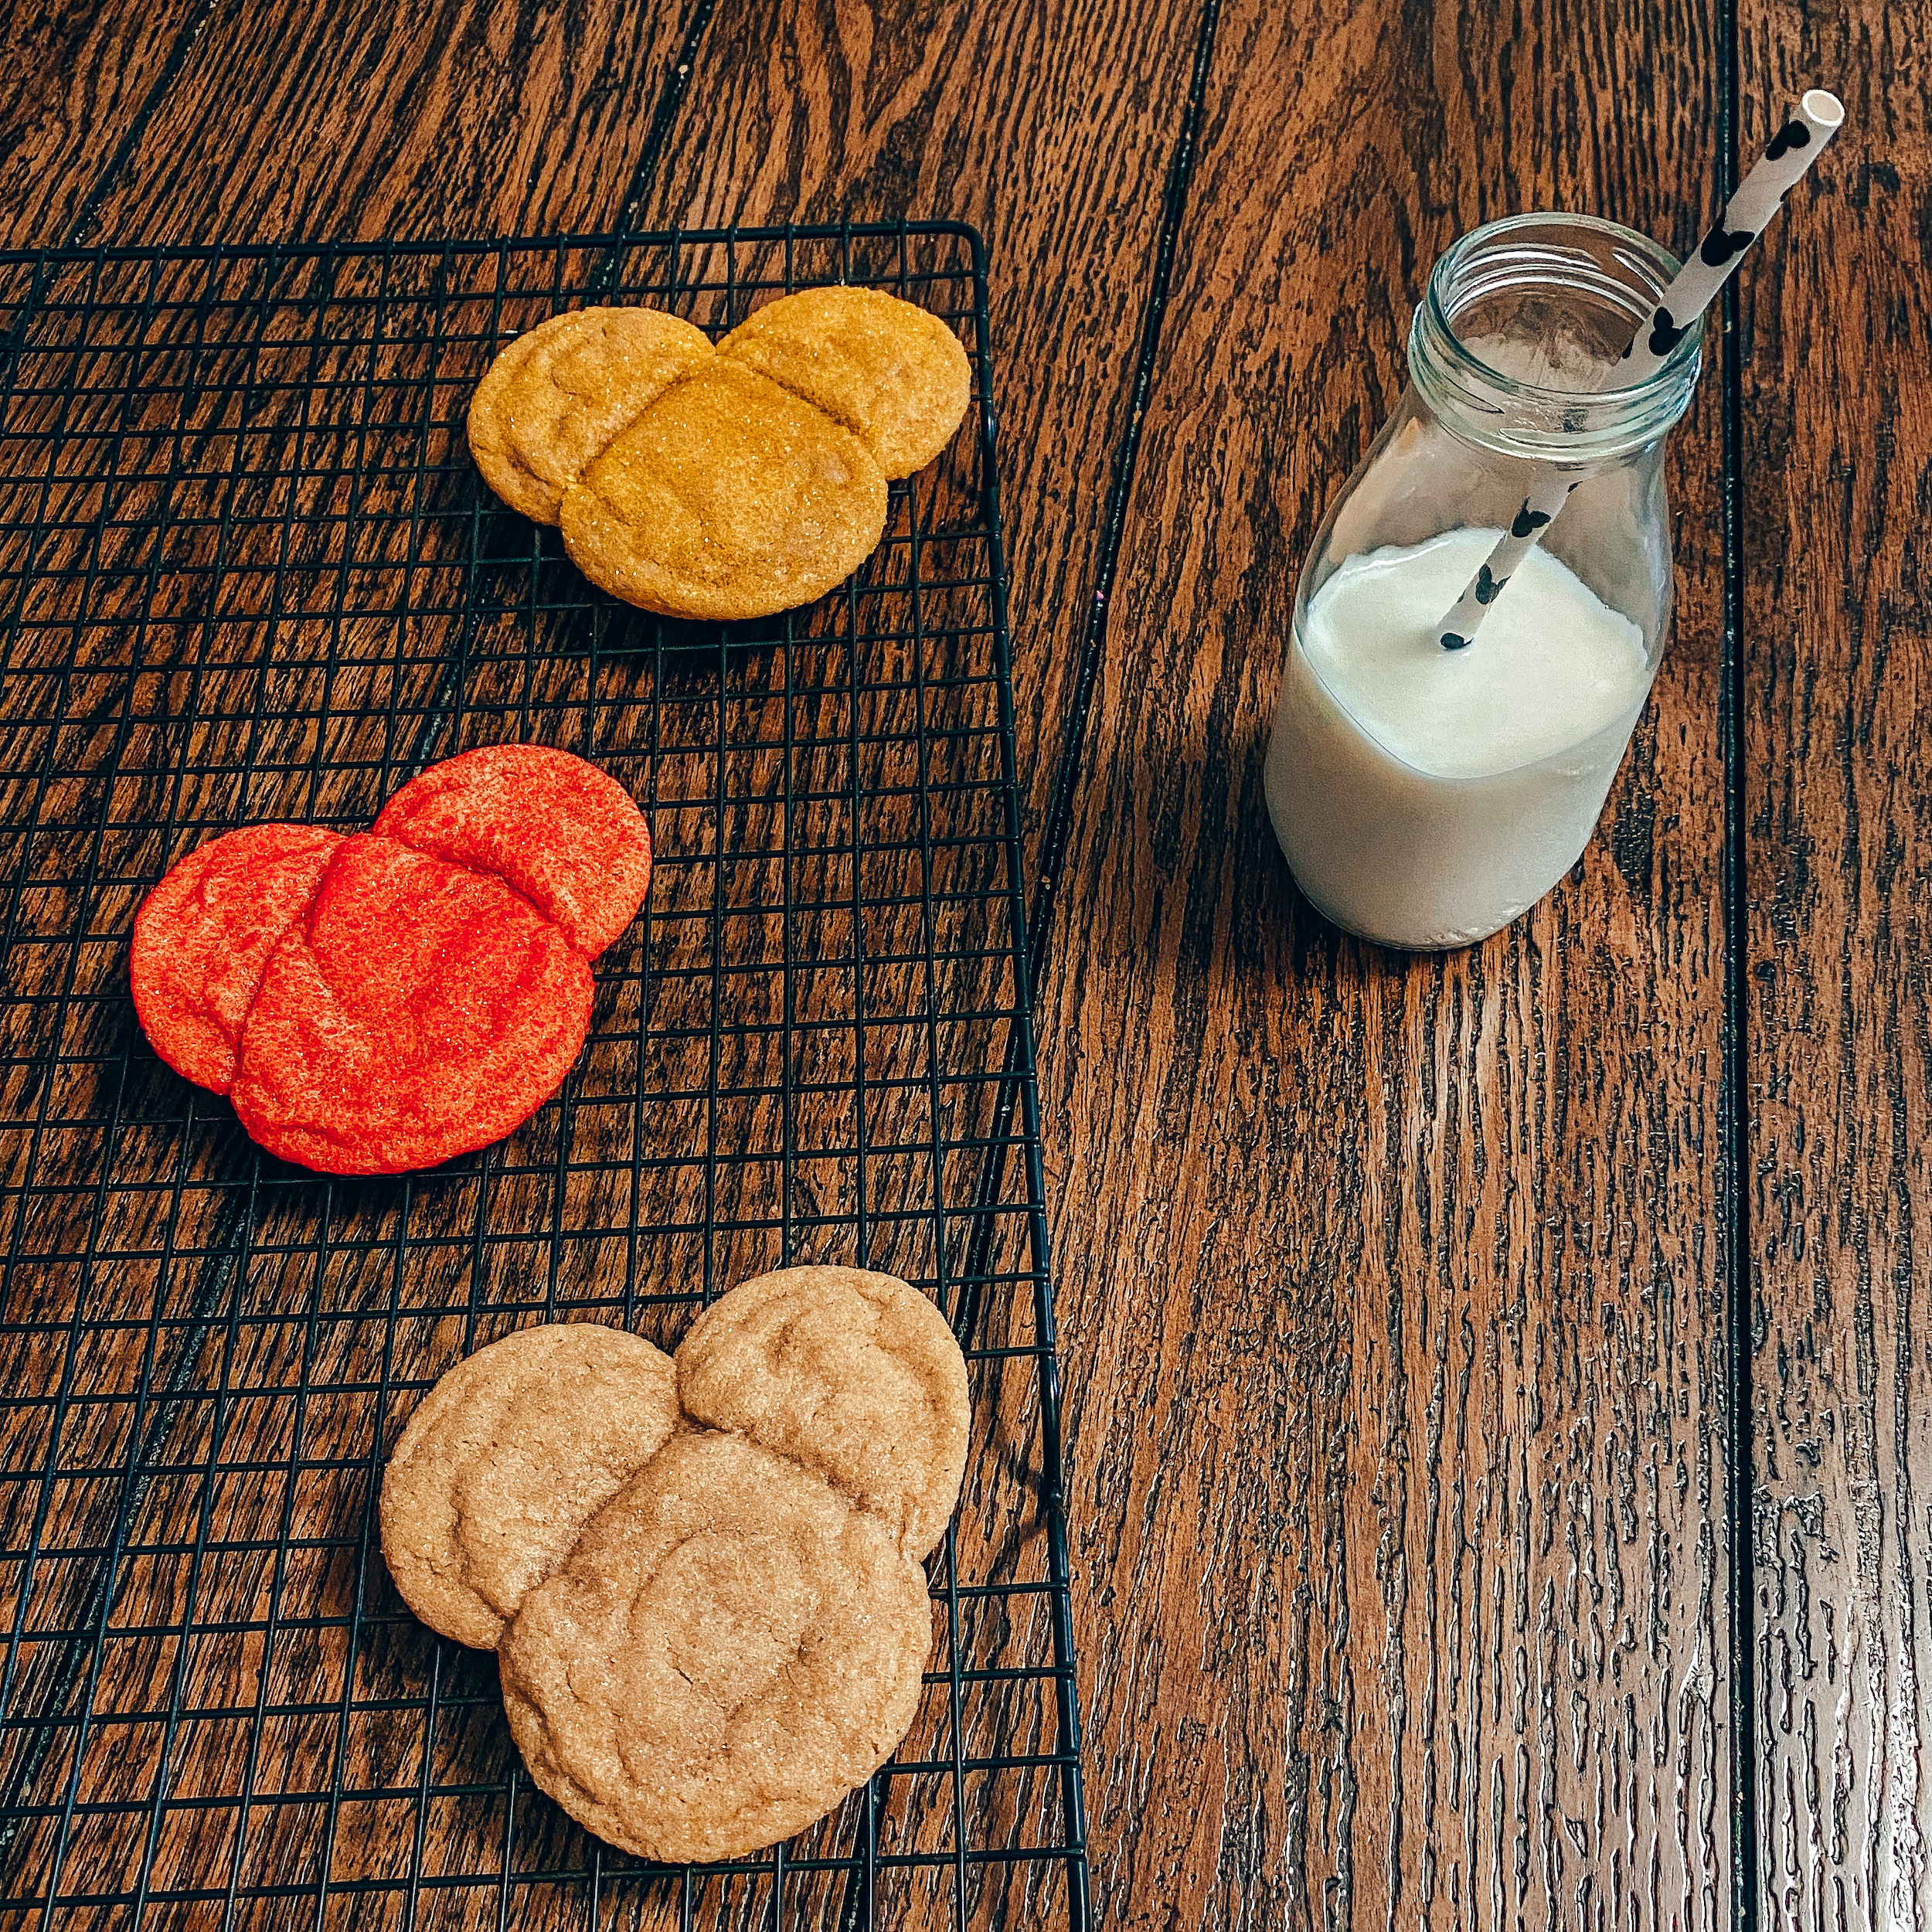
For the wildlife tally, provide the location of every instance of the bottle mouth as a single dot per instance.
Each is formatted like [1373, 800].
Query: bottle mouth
[1517, 341]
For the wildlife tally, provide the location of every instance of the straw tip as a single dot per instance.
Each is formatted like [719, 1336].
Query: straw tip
[1826, 109]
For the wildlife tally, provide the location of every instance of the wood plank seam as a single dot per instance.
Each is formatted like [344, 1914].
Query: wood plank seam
[677, 84]
[89, 209]
[1734, 1090]
[1053, 837]
[1055, 833]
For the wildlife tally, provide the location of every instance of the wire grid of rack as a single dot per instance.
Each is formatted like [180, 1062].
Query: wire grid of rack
[247, 571]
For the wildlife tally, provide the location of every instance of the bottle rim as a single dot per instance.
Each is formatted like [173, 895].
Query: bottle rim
[1627, 271]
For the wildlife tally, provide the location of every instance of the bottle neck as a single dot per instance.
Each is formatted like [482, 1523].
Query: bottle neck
[1516, 344]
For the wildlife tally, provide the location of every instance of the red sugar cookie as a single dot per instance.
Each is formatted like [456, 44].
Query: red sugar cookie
[203, 935]
[417, 1011]
[565, 834]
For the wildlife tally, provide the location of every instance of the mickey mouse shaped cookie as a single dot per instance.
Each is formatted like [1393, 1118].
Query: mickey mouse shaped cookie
[701, 1575]
[731, 482]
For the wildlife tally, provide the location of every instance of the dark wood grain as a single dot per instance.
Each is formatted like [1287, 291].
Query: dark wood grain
[72, 85]
[1838, 427]
[1390, 1303]
[367, 121]
[1388, 1286]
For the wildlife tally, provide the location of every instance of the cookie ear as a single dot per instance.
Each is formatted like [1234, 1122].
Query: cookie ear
[893, 373]
[561, 831]
[507, 1459]
[855, 1375]
[552, 403]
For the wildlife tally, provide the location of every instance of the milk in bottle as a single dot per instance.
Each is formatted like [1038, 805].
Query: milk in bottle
[1424, 798]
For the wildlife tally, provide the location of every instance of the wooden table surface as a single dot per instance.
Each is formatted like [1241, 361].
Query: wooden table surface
[1393, 1292]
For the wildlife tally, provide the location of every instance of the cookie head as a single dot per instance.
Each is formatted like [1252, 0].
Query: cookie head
[731, 1647]
[415, 1010]
[728, 497]
[505, 1460]
[853, 1374]
[893, 373]
[553, 400]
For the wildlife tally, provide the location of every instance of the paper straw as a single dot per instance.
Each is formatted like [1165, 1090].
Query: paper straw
[1679, 309]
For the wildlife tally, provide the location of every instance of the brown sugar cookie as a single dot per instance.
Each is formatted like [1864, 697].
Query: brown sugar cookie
[854, 1374]
[506, 1460]
[895, 375]
[727, 497]
[552, 402]
[731, 1647]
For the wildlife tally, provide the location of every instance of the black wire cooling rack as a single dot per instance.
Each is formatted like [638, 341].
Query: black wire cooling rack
[246, 572]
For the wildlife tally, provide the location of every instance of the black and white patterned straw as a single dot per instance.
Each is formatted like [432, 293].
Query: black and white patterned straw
[1679, 309]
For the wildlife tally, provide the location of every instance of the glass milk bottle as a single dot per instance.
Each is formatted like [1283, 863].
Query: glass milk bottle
[1424, 796]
